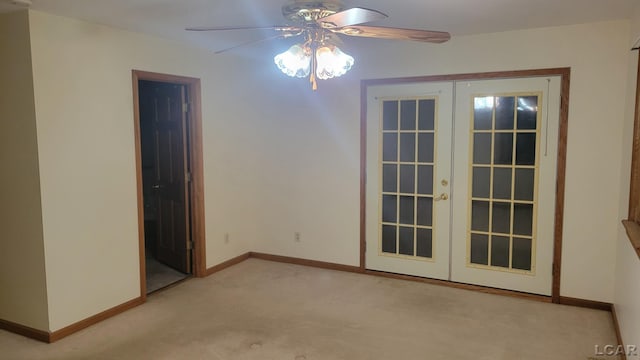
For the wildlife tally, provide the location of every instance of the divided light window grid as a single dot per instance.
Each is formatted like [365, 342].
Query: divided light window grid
[503, 181]
[407, 173]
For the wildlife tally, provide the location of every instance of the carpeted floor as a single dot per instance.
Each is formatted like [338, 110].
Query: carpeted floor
[265, 310]
[159, 275]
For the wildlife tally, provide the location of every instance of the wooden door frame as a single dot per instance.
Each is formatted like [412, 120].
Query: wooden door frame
[194, 146]
[565, 77]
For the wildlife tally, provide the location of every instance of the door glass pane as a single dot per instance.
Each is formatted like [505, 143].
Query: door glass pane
[502, 183]
[389, 178]
[503, 151]
[527, 112]
[390, 115]
[424, 209]
[505, 111]
[521, 253]
[526, 149]
[425, 147]
[483, 113]
[389, 239]
[407, 147]
[408, 115]
[406, 210]
[425, 179]
[405, 240]
[426, 114]
[424, 243]
[501, 217]
[480, 215]
[500, 251]
[523, 219]
[524, 184]
[407, 179]
[479, 249]
[390, 147]
[481, 181]
[389, 208]
[482, 148]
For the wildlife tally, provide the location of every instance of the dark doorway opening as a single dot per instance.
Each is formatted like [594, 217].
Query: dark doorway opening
[170, 180]
[164, 144]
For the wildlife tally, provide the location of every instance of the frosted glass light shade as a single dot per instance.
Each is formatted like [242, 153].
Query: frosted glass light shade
[294, 62]
[332, 62]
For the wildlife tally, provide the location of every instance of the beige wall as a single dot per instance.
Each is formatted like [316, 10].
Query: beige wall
[627, 271]
[84, 114]
[23, 297]
[316, 141]
[279, 158]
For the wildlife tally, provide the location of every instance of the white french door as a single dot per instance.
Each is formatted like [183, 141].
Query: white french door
[408, 168]
[506, 142]
[461, 180]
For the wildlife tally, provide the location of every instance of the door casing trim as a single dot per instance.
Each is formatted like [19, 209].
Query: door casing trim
[565, 78]
[194, 147]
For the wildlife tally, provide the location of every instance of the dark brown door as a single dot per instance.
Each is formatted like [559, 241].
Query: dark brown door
[163, 116]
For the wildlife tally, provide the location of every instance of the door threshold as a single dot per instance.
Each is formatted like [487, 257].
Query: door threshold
[171, 285]
[458, 285]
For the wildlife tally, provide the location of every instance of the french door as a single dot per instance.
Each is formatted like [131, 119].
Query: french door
[409, 132]
[460, 180]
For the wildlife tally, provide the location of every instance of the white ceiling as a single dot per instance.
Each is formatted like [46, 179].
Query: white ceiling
[168, 18]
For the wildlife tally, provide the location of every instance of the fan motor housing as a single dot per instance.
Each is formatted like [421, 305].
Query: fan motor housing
[310, 11]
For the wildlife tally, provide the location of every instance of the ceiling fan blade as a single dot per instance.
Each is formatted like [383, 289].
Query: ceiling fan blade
[394, 33]
[349, 17]
[226, 28]
[253, 42]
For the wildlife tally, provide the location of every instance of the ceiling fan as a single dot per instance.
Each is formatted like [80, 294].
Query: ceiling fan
[319, 23]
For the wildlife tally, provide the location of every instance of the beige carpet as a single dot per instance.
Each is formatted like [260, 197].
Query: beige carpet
[265, 310]
[159, 275]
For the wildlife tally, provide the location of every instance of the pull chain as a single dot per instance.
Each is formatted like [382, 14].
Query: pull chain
[546, 130]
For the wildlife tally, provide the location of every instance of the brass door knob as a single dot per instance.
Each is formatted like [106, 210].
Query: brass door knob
[442, 196]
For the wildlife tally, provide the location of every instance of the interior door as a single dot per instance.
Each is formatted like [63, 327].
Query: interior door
[166, 115]
[505, 160]
[407, 178]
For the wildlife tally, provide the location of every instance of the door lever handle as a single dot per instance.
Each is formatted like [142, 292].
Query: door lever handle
[157, 187]
[442, 196]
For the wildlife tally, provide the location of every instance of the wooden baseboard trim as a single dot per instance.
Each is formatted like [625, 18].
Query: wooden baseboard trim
[51, 337]
[305, 262]
[452, 284]
[73, 328]
[590, 304]
[616, 326]
[226, 264]
[357, 269]
[27, 331]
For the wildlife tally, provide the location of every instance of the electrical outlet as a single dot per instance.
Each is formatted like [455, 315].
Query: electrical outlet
[226, 238]
[296, 236]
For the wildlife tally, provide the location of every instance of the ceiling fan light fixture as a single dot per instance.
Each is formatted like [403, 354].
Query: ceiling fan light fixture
[326, 62]
[321, 22]
[332, 62]
[295, 62]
